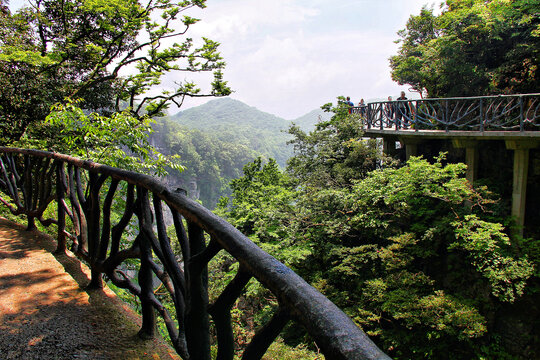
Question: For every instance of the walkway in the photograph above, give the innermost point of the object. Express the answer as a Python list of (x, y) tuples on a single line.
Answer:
[(45, 314)]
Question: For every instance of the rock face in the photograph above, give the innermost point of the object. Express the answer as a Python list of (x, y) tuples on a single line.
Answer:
[(190, 186), (193, 191)]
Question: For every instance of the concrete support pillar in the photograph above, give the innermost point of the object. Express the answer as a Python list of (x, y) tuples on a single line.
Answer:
[(410, 150), (411, 147), (519, 187), (389, 146), (471, 157)]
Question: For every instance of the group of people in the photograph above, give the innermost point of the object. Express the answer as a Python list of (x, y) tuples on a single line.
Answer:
[(362, 105), (400, 111)]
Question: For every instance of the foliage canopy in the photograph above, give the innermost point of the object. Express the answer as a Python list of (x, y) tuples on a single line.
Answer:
[(108, 53), (411, 253), (472, 48)]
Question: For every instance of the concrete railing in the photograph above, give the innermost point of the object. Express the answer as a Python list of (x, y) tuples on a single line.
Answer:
[(86, 192), (484, 113)]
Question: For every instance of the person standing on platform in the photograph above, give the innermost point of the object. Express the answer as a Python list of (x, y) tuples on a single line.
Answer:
[(389, 109), (350, 103), (362, 105), (402, 110)]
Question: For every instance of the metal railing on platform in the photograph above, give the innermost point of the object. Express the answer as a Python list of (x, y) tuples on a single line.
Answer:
[(85, 192), (483, 113)]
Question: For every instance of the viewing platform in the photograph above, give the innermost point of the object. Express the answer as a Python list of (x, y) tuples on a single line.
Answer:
[(501, 115), (509, 121)]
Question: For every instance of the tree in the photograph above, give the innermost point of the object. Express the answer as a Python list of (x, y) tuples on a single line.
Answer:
[(472, 48), (108, 53), (413, 254), (407, 66), (334, 153), (261, 207), (120, 140)]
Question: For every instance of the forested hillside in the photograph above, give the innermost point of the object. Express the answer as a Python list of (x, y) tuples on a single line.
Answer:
[(235, 122), (215, 140), (411, 252)]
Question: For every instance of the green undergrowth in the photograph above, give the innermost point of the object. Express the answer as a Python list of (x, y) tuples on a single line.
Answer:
[(281, 351)]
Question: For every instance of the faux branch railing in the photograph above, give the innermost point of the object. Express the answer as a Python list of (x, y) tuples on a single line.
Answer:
[(485, 113), (86, 193)]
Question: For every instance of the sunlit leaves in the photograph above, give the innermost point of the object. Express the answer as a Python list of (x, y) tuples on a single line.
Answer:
[(491, 253), (473, 47), (120, 140)]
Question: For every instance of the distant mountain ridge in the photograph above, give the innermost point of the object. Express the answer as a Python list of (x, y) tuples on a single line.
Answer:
[(227, 110), (234, 121), (215, 140)]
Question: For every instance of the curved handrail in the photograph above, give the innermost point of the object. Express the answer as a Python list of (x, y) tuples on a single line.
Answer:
[(29, 177), (519, 112)]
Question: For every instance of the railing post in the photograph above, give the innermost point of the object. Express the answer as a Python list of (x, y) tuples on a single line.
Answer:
[(197, 320), (482, 115), (27, 195), (60, 191), (395, 107), (93, 216), (148, 327), (31, 223), (446, 115), (415, 115), (521, 122), (381, 111), (368, 116)]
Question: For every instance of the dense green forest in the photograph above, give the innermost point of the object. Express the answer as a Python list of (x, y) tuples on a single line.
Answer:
[(414, 254), (215, 140)]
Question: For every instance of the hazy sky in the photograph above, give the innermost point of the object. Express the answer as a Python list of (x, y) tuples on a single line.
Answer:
[(288, 57)]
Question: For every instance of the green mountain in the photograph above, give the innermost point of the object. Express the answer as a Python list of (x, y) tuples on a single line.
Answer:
[(233, 121), (225, 111), (217, 139), (308, 121)]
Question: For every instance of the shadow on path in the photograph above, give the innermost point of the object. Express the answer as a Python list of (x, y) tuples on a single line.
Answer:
[(46, 314)]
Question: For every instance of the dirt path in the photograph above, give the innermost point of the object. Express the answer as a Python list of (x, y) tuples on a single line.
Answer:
[(45, 314)]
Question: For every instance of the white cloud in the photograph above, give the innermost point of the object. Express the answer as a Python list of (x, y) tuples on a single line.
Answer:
[(288, 57), (236, 20)]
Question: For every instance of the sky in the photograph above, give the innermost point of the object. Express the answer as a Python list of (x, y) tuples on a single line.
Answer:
[(289, 57)]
